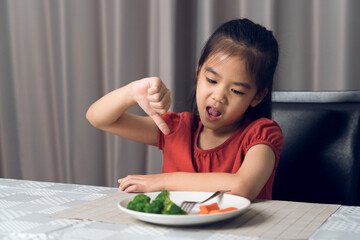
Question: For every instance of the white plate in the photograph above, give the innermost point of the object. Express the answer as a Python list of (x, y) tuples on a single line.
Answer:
[(224, 201)]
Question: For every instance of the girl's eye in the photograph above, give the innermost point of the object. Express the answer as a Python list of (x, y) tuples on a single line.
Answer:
[(211, 81), (237, 92)]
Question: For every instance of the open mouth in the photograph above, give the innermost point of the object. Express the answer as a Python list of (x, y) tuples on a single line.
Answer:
[(212, 113)]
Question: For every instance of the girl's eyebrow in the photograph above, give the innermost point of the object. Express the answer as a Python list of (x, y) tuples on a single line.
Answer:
[(242, 84), (209, 69)]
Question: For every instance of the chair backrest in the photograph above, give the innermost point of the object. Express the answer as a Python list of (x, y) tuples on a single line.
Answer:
[(320, 160)]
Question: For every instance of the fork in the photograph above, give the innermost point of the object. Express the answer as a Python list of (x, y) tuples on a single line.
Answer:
[(187, 206)]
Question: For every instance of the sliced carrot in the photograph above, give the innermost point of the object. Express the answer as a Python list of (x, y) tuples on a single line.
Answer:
[(228, 209), (214, 211), (213, 206), (203, 209)]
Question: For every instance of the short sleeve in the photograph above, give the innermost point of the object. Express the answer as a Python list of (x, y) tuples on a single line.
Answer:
[(264, 131), (172, 120)]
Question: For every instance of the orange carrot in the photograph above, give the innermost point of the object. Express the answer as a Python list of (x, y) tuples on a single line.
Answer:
[(214, 211), (228, 209), (214, 208), (203, 209)]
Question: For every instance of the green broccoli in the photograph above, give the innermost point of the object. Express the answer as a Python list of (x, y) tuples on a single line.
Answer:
[(163, 195), (139, 203), (161, 204), (156, 206), (173, 209), (169, 206)]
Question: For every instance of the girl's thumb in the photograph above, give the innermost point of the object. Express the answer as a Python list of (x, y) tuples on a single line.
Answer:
[(160, 123)]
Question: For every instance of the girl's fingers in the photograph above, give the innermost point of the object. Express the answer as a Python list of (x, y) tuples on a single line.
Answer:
[(159, 96), (159, 108), (155, 85), (163, 105), (124, 186), (142, 183), (157, 92), (132, 188), (131, 184), (129, 180)]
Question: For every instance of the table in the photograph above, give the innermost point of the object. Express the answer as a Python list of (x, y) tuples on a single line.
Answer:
[(25, 206)]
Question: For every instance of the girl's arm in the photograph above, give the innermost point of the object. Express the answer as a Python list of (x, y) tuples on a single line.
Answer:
[(108, 113), (247, 182)]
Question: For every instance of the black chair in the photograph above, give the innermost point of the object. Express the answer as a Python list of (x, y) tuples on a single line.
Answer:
[(320, 160)]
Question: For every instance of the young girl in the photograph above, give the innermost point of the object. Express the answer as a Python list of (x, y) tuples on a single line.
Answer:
[(228, 143)]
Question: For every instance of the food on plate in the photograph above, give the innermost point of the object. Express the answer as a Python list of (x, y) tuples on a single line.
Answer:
[(205, 209), (214, 208), (162, 204), (156, 206), (139, 203)]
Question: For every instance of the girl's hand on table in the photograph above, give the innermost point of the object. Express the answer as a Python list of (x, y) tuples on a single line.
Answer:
[(142, 183)]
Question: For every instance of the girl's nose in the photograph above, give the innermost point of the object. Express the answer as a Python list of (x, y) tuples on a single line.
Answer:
[(219, 96)]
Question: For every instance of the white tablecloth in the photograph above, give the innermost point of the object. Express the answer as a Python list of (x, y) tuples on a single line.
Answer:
[(25, 205)]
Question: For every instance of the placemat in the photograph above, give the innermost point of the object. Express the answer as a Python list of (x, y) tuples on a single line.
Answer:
[(265, 219)]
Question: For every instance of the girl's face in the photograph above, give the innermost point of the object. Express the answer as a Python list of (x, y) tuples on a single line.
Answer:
[(224, 92)]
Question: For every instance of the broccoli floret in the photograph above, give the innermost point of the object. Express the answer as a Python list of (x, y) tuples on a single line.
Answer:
[(139, 203), (163, 195), (173, 209), (161, 204), (156, 206)]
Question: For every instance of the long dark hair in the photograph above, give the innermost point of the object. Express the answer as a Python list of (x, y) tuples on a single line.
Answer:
[(256, 46)]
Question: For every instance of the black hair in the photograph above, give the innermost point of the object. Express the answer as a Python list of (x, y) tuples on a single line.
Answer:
[(256, 46)]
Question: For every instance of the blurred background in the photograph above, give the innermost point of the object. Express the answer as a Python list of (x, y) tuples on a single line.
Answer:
[(59, 56)]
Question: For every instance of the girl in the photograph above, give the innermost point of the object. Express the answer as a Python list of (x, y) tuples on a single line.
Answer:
[(228, 142)]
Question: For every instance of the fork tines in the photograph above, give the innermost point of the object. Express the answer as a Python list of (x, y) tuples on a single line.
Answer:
[(187, 206)]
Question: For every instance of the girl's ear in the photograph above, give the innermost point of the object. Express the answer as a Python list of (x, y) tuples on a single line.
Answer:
[(259, 97)]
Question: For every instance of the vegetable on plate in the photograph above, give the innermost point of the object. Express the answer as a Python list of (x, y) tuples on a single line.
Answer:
[(160, 205), (214, 208)]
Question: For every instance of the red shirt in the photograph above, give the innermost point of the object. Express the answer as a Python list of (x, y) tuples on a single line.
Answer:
[(181, 154)]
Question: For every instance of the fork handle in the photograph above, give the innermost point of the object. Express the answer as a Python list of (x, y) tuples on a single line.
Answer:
[(215, 194)]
